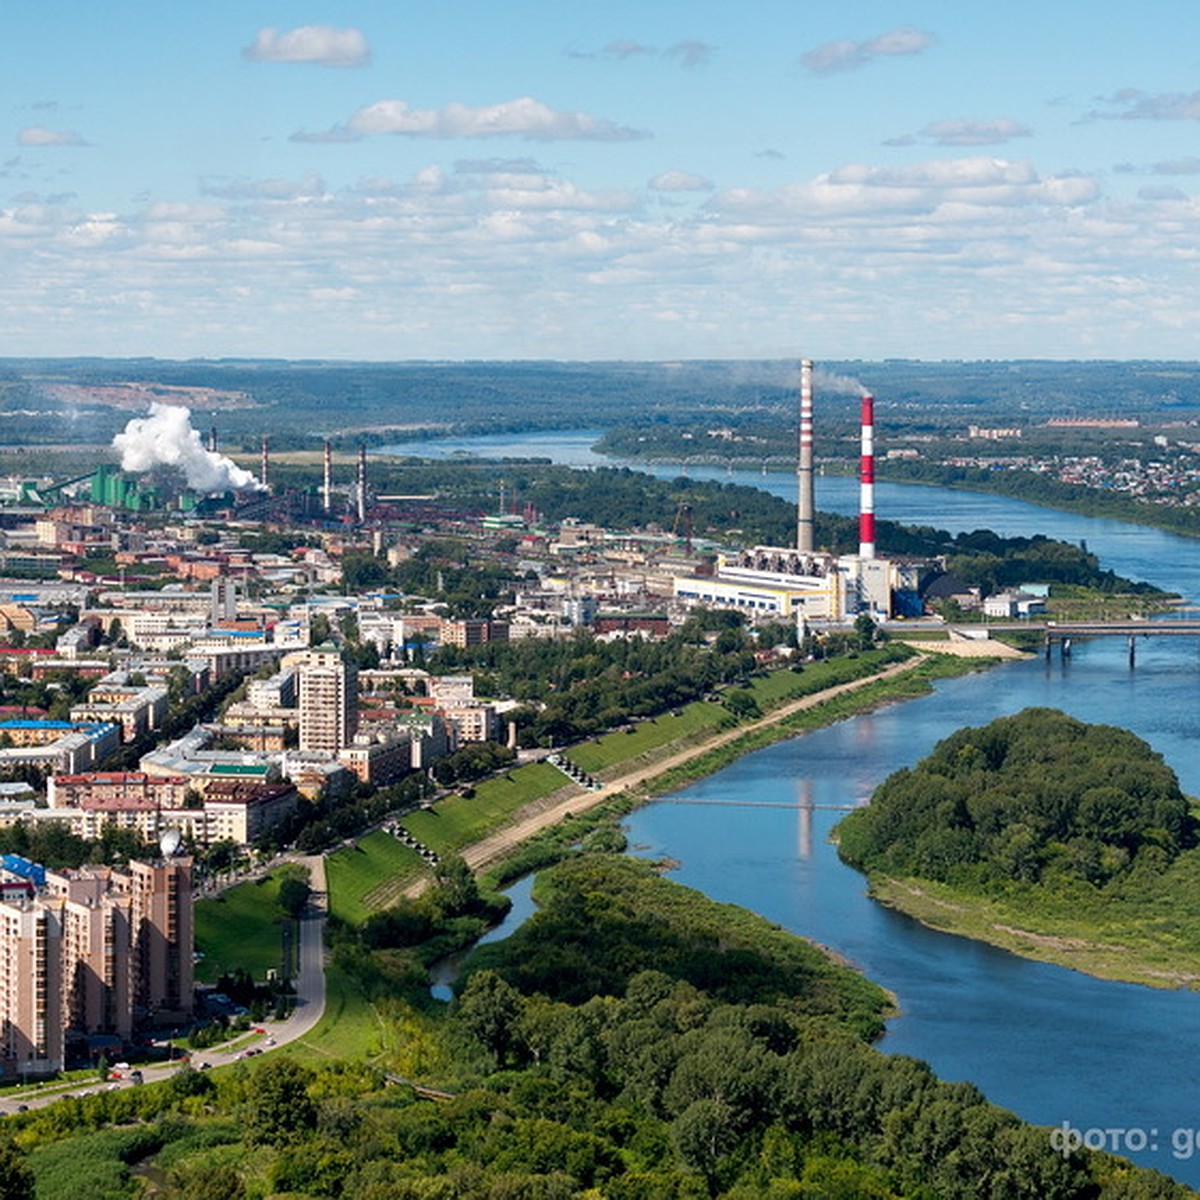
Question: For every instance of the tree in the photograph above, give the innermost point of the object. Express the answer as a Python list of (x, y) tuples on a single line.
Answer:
[(456, 891), (702, 1133), (293, 896), (16, 1175), (490, 1008), (207, 1181), (865, 630), (280, 1109)]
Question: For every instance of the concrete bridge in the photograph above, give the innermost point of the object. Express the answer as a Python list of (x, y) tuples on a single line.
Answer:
[(1132, 628)]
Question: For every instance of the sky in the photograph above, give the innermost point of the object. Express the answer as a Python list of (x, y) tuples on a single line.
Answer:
[(661, 180)]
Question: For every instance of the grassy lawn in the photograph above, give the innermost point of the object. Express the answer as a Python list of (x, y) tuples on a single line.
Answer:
[(456, 822), (351, 1027), (700, 717), (369, 876), (241, 928), (778, 687)]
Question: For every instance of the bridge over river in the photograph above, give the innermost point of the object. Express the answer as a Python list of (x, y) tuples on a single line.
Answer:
[(1132, 628)]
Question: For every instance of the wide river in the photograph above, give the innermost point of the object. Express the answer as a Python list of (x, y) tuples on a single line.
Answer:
[(1051, 1044)]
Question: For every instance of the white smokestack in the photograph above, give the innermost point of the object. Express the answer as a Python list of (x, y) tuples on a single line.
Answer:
[(805, 503), (166, 438)]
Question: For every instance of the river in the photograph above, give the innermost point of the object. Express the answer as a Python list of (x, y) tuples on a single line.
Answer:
[(1051, 1044)]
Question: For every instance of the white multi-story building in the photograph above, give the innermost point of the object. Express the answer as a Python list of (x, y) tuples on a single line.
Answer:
[(328, 702), (92, 952)]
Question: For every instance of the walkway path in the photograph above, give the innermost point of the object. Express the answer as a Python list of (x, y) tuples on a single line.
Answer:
[(526, 824)]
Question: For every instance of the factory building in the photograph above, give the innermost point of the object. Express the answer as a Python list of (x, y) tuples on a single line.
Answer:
[(786, 583)]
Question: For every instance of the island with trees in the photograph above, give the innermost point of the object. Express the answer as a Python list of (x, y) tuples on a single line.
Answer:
[(1062, 841)]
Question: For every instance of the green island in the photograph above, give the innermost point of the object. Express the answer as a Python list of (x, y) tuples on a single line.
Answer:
[(1058, 840)]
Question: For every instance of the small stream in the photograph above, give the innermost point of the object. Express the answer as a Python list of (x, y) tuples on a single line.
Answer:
[(444, 973)]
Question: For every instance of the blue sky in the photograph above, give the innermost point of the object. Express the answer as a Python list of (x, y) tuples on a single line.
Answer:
[(659, 180)]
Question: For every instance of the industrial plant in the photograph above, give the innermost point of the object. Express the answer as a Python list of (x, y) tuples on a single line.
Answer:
[(803, 583)]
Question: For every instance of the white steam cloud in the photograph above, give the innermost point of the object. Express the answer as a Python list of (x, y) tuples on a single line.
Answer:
[(166, 438), (841, 385)]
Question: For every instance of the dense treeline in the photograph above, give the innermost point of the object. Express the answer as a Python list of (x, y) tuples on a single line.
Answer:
[(1036, 797), (995, 563), (633, 1041), (375, 401), (581, 686)]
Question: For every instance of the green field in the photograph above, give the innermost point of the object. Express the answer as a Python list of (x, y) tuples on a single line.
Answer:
[(243, 927), (457, 822), (369, 876), (699, 718), (350, 1028)]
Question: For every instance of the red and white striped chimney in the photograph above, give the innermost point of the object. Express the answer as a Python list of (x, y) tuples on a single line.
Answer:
[(866, 504)]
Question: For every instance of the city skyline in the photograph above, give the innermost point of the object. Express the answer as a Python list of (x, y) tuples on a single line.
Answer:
[(683, 181)]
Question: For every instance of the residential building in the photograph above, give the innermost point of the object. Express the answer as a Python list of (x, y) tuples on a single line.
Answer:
[(328, 702)]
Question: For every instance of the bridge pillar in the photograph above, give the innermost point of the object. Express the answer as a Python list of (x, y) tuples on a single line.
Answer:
[(1066, 647), (1049, 643), (1132, 650)]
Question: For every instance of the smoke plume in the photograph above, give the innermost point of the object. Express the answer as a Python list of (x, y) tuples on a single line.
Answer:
[(841, 385), (166, 438)]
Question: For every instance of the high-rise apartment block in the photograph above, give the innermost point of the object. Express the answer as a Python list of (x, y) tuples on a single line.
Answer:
[(328, 701), (95, 951)]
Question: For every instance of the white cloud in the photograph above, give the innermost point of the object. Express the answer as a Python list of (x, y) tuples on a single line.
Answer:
[(310, 185), (974, 133), (523, 117), (1161, 192), (847, 54), (39, 135), (501, 257), (955, 189), (1166, 106), (690, 53), (321, 45), (1178, 166), (679, 181), (496, 166), (626, 48)]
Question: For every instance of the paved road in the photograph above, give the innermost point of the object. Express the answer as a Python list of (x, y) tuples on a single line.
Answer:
[(310, 983), (310, 1007)]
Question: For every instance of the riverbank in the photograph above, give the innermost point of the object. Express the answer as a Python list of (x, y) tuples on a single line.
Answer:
[(630, 787), (1140, 951)]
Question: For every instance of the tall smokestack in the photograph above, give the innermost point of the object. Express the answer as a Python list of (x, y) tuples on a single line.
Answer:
[(866, 505), (264, 469), (362, 484), (327, 490), (212, 439), (805, 506)]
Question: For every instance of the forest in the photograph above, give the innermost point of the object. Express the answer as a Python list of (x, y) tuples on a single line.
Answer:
[(1037, 798), (632, 1041), (300, 402)]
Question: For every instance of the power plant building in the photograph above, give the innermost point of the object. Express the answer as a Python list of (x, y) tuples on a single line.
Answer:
[(785, 583), (780, 583)]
